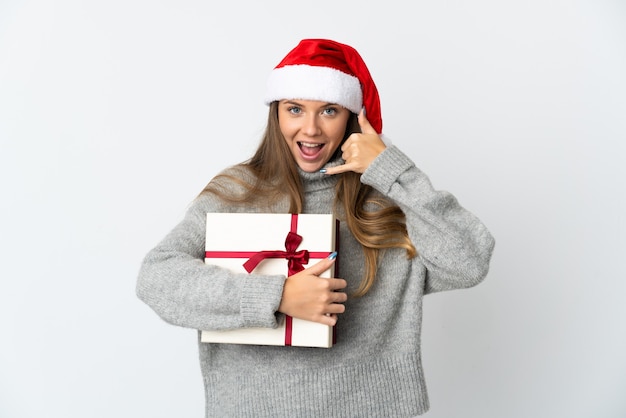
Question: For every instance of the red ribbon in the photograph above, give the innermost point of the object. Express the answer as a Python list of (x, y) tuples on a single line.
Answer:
[(295, 261)]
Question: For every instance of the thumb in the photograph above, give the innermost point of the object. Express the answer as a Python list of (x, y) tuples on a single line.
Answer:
[(365, 125), (322, 265)]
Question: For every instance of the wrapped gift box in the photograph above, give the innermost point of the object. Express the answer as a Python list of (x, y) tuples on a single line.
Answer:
[(268, 243)]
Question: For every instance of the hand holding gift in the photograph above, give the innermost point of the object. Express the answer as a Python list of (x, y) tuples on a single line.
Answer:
[(308, 296)]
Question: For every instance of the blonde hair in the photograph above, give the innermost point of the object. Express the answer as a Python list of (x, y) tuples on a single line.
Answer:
[(275, 176)]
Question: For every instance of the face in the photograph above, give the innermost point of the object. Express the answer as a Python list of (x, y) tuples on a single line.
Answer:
[(313, 130)]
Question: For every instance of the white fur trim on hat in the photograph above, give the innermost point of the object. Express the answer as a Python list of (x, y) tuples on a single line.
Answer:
[(307, 82)]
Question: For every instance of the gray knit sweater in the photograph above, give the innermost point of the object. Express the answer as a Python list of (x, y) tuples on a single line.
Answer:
[(374, 369)]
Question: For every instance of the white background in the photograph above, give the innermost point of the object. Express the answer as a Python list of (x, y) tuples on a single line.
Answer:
[(114, 115)]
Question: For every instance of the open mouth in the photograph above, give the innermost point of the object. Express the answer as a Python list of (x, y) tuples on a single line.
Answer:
[(310, 149)]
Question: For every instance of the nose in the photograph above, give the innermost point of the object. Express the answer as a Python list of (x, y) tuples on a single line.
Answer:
[(311, 125)]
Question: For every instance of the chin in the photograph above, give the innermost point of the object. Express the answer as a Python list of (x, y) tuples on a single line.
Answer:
[(310, 168)]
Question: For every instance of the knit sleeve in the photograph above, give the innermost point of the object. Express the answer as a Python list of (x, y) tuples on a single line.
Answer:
[(177, 284), (452, 243)]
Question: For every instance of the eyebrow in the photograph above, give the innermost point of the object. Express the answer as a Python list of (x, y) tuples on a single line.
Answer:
[(293, 102)]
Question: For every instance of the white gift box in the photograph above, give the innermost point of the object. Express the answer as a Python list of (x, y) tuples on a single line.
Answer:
[(237, 239)]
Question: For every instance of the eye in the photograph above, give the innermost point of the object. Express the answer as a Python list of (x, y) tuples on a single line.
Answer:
[(296, 110), (330, 111)]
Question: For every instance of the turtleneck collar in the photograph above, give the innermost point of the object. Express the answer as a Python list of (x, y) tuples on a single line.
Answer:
[(318, 181)]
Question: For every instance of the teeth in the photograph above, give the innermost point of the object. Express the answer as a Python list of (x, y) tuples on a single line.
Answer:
[(308, 145)]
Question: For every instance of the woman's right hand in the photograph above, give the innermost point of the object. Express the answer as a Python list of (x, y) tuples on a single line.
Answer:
[(308, 296)]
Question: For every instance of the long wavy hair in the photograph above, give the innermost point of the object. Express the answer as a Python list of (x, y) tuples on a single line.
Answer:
[(275, 176)]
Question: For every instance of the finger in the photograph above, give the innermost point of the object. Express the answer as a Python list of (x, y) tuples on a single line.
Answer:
[(336, 284), (330, 320), (335, 308), (341, 297), (322, 265), (347, 143), (340, 169), (365, 125), (338, 298)]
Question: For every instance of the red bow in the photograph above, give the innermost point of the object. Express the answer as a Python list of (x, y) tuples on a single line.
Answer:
[(295, 259)]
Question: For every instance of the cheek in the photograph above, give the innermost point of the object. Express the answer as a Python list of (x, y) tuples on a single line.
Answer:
[(333, 148), (337, 134), (286, 129), (333, 151)]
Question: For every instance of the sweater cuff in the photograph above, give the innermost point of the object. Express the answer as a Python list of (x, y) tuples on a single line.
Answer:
[(260, 300), (384, 171)]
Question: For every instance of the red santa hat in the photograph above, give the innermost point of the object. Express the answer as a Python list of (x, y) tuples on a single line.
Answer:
[(325, 70)]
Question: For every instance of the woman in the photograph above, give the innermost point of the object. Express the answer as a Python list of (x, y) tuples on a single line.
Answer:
[(400, 239)]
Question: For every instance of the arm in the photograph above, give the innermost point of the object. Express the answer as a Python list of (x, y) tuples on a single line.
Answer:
[(454, 246), (452, 243), (177, 284)]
